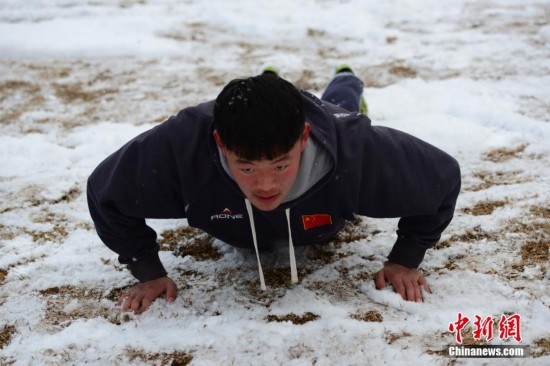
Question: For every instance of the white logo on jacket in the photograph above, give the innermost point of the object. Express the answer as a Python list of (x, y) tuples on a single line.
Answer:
[(226, 214)]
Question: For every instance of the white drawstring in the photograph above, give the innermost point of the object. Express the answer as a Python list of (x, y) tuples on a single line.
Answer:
[(253, 227), (293, 269)]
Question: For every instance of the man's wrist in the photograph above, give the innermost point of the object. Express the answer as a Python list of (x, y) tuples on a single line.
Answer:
[(407, 253), (147, 268)]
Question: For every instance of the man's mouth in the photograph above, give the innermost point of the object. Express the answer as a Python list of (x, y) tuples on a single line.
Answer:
[(267, 198)]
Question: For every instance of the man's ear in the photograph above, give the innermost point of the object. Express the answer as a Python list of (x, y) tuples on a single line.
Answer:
[(305, 136), (219, 142)]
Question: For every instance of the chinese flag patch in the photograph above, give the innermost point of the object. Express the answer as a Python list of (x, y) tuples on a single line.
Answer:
[(313, 221)]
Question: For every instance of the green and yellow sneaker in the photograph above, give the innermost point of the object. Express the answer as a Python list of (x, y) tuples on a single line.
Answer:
[(269, 69)]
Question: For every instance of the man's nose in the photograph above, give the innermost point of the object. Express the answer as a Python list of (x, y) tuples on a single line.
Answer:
[(265, 182)]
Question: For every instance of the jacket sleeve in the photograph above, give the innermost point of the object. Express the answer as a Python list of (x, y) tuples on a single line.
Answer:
[(403, 176), (140, 180)]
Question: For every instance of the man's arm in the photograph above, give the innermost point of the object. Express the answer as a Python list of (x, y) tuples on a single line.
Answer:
[(408, 178)]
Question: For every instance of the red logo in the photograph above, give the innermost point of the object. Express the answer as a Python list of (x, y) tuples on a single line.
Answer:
[(508, 326), (313, 221)]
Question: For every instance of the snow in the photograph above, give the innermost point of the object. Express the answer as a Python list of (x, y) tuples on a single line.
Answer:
[(79, 78)]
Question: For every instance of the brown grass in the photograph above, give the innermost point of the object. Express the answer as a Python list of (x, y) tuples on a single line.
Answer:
[(499, 178), (392, 337), (173, 359), (5, 335), (89, 305), (293, 318), (470, 236), (186, 241), (503, 154), (539, 211), (369, 316), (542, 347), (70, 93), (534, 252), (57, 234), (484, 208), (3, 275), (403, 71)]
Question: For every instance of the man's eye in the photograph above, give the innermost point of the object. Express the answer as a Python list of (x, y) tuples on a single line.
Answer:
[(280, 168), (247, 170)]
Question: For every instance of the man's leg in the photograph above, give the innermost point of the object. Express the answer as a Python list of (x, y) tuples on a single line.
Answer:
[(345, 90)]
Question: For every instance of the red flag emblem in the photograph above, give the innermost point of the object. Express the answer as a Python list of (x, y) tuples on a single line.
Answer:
[(313, 221)]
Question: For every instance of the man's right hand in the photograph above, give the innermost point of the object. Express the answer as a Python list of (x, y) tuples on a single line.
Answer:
[(139, 297)]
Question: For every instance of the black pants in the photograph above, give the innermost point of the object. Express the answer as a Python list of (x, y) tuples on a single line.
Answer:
[(345, 91)]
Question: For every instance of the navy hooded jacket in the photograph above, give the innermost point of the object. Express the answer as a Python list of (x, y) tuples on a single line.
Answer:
[(174, 171)]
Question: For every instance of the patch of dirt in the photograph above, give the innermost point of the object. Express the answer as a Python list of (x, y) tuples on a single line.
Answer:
[(535, 252), (499, 178), (68, 303), (57, 234), (3, 275), (403, 71), (186, 241), (5, 335), (539, 211), (369, 316), (20, 96), (502, 155), (484, 208), (176, 358), (353, 230), (70, 93), (392, 337), (7, 233), (293, 318), (541, 347), (69, 196), (470, 236)]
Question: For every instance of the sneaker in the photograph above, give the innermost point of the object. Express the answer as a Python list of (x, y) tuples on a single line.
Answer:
[(269, 69), (343, 69)]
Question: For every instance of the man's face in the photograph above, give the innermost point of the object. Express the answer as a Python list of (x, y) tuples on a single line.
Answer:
[(264, 182)]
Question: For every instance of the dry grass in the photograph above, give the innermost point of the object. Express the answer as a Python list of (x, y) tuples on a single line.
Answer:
[(160, 359), (536, 252), (5, 335), (484, 208), (186, 241), (392, 337), (57, 234), (293, 318), (502, 155), (7, 233), (89, 305), (541, 347), (470, 236), (498, 178), (353, 230), (369, 316), (403, 71), (3, 275)]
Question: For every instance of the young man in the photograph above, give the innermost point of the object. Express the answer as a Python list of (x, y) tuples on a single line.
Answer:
[(268, 165)]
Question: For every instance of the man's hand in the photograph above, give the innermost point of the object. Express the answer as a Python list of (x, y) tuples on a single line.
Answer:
[(405, 281), (139, 297)]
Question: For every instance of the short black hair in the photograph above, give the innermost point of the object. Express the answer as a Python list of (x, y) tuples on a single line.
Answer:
[(260, 117)]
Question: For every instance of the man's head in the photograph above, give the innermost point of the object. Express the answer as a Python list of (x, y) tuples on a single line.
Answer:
[(260, 128)]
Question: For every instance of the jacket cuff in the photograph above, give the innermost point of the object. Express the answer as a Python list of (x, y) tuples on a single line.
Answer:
[(147, 268), (407, 253)]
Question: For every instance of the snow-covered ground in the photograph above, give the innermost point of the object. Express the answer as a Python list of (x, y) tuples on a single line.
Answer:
[(79, 78)]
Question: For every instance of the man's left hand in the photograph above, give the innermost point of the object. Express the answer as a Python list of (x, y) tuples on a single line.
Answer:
[(407, 282)]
